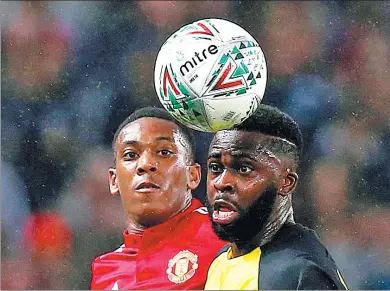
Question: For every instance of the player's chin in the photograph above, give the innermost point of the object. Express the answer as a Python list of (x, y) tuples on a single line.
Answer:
[(153, 214), (225, 232)]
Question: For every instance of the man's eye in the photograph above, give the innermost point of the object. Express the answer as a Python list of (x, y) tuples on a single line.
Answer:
[(244, 170), (130, 155), (164, 152), (215, 168)]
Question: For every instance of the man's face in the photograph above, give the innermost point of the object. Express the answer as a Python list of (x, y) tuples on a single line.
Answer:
[(152, 171), (242, 184)]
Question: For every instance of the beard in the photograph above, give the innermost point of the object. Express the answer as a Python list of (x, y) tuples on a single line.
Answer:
[(250, 220)]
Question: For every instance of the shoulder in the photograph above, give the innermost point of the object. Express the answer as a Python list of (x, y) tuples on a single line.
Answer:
[(296, 240), (202, 210), (304, 273), (197, 214), (104, 268), (224, 249), (298, 256), (197, 225), (201, 217), (218, 259), (298, 273), (109, 255), (301, 266), (199, 221), (297, 244), (197, 209)]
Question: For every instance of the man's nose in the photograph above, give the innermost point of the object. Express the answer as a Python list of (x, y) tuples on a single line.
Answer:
[(225, 182), (146, 163)]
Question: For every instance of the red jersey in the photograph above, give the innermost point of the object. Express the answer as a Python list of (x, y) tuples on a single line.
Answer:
[(173, 255)]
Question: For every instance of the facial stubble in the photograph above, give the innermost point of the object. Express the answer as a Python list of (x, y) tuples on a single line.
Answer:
[(250, 221)]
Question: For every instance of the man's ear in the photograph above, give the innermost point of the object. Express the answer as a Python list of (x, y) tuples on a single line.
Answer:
[(113, 180), (288, 183), (193, 176)]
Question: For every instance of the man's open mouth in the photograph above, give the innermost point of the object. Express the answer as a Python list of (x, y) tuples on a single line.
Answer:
[(224, 212), (146, 186)]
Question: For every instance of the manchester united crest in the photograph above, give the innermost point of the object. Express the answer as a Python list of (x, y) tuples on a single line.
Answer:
[(182, 267)]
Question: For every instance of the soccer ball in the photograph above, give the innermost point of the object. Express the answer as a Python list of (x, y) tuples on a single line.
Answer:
[(210, 75)]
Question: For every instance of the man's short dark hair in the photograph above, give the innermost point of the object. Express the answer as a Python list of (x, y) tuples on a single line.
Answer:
[(160, 114), (272, 121)]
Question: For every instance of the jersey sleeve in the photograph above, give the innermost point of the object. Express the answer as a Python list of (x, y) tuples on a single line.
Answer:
[(101, 278), (313, 277), (93, 275), (307, 275)]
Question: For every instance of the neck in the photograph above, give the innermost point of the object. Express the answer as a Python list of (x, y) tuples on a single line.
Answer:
[(135, 228), (282, 213)]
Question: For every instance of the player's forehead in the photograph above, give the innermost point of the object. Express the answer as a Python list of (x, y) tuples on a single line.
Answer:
[(149, 130), (238, 139)]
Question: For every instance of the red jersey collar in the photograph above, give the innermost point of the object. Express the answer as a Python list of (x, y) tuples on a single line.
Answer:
[(133, 240)]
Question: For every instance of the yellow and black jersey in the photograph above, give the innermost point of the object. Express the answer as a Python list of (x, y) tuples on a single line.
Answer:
[(294, 259)]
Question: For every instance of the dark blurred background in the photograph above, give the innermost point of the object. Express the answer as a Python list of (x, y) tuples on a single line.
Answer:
[(72, 71)]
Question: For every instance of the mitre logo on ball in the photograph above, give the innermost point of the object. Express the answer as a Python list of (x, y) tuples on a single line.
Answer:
[(198, 58), (210, 74)]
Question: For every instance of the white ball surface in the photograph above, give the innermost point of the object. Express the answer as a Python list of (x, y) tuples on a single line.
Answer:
[(210, 74)]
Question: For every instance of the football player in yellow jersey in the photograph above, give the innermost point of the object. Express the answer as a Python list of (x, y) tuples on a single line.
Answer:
[(252, 172)]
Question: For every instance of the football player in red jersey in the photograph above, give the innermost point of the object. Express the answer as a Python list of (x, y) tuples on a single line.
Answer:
[(169, 242)]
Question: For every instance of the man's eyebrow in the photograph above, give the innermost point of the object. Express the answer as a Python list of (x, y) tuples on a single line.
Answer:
[(134, 142), (235, 154), (167, 138), (241, 154), (214, 155), (129, 142)]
